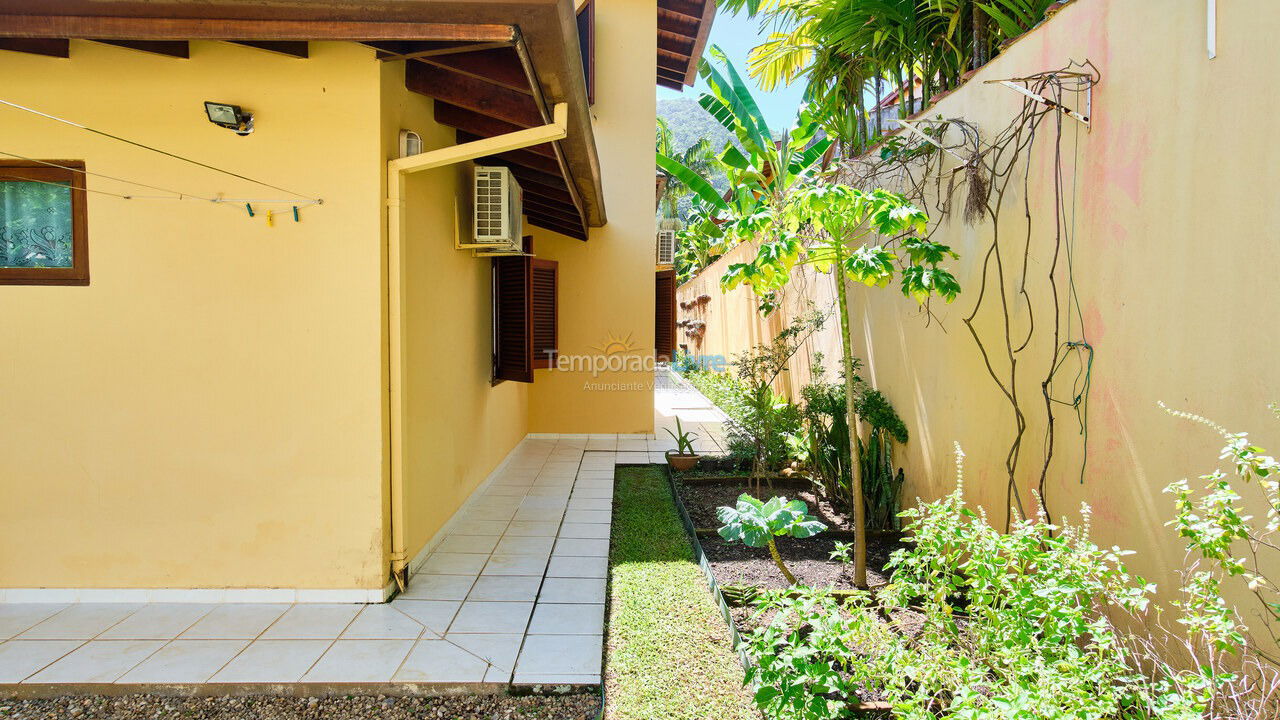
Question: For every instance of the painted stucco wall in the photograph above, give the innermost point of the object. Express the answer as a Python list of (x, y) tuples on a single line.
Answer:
[(1173, 261), (607, 283), (457, 426), (207, 412)]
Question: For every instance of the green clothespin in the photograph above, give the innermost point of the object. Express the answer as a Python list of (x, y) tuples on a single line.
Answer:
[(295, 214), (249, 207)]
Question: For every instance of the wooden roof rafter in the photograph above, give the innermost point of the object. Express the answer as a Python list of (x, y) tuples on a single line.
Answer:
[(683, 27), (479, 73)]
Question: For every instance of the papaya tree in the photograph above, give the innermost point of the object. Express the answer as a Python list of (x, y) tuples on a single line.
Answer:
[(865, 237)]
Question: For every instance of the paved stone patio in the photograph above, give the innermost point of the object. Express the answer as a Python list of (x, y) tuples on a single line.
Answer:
[(514, 592)]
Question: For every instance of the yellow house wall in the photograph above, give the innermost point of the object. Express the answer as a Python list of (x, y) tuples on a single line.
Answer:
[(208, 411), (607, 284), (1173, 264), (457, 426)]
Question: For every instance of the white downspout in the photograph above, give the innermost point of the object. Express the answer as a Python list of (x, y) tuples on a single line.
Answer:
[(397, 170)]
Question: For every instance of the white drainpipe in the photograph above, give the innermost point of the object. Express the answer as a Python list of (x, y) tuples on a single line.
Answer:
[(397, 170)]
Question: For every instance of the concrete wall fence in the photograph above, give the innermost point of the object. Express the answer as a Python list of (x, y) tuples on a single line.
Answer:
[(1173, 259)]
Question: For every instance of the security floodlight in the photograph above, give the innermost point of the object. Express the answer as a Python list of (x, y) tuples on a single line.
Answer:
[(230, 117)]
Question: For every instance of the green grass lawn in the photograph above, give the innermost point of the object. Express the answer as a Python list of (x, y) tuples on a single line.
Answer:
[(669, 653)]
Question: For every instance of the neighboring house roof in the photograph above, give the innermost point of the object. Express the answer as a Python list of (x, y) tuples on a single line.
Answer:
[(476, 58), (683, 27)]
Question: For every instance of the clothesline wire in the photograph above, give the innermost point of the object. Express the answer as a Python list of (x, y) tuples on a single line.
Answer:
[(180, 195), (156, 150)]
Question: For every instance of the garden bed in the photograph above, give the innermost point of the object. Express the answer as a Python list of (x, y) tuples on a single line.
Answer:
[(736, 565), (740, 571)]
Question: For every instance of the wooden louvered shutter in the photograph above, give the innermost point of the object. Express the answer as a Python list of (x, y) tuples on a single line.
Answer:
[(587, 44), (545, 276), (664, 331), (512, 320)]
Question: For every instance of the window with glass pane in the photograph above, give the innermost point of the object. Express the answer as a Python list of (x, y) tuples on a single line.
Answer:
[(42, 224)]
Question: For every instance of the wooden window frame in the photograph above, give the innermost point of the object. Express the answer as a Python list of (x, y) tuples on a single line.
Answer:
[(71, 172)]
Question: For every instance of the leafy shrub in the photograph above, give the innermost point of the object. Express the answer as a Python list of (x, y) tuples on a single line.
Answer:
[(824, 415), (759, 419), (1016, 625), (756, 523)]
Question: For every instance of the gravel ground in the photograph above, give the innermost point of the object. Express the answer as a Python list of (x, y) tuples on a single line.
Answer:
[(155, 707)]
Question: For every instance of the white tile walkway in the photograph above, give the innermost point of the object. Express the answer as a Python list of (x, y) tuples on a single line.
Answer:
[(513, 593)]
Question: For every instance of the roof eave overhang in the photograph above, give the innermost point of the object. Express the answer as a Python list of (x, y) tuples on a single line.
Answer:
[(546, 30)]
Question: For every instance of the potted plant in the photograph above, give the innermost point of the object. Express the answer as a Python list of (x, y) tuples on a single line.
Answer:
[(683, 457)]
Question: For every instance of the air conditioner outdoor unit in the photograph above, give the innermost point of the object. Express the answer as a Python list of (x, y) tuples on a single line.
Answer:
[(666, 247), (498, 211)]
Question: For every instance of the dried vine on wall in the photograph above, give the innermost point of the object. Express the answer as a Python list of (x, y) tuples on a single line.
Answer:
[(957, 157)]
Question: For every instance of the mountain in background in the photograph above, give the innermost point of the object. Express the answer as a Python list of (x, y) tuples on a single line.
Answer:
[(689, 123)]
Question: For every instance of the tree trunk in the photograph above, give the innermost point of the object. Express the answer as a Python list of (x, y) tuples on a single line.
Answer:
[(879, 99), (851, 418), (777, 560), (979, 36)]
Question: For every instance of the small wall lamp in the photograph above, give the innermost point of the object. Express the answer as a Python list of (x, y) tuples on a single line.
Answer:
[(230, 117)]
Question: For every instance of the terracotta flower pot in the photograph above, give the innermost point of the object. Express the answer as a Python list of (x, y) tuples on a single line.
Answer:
[(681, 462)]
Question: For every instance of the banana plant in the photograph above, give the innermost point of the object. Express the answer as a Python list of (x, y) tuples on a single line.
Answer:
[(762, 170)]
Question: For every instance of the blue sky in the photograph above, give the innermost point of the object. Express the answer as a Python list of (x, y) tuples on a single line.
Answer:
[(736, 35)]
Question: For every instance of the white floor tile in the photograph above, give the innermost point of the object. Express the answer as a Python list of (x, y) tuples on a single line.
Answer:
[(98, 661), (559, 655), (474, 544), (505, 490), (21, 658), (479, 527), (359, 661), (497, 675), (633, 458), (572, 590), (586, 503), (312, 621), (546, 491), (630, 445), (567, 619), (588, 516), (185, 661), (18, 617), (454, 564), (382, 622), (598, 531), (235, 621), (526, 528), (81, 621), (272, 661), (592, 493), (514, 545), (438, 587), (440, 661), (575, 567), (516, 565), (538, 515), (510, 588), (538, 502), (581, 548), (435, 615), (157, 621), (492, 617), (498, 650)]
